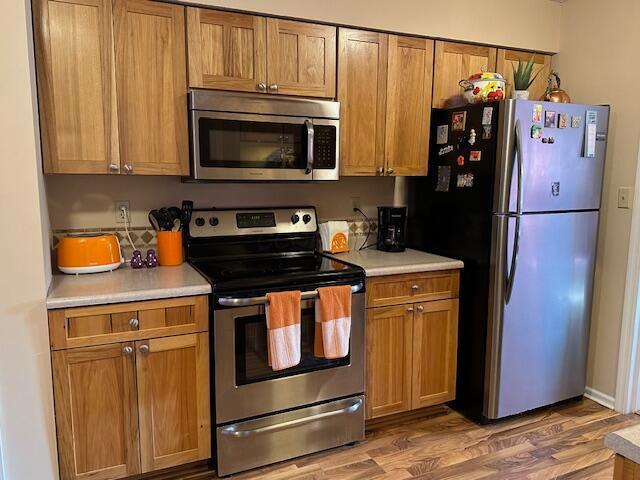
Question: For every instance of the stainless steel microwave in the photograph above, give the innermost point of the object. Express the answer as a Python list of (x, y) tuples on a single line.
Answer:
[(247, 137)]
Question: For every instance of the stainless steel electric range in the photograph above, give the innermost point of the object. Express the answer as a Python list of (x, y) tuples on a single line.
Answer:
[(262, 416)]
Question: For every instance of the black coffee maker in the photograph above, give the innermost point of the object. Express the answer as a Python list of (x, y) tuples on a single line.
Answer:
[(392, 225)]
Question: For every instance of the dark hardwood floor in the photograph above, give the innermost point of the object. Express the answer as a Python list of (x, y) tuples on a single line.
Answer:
[(564, 442)]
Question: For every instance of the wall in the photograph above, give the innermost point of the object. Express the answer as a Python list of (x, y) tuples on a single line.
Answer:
[(26, 404), (529, 24), (597, 65)]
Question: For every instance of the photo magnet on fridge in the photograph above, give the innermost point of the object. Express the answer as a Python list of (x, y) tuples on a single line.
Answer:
[(460, 160), (444, 178), (550, 119), (536, 132), (464, 180), (442, 135), (563, 120), (458, 121), (487, 114), (537, 113), (486, 132), (576, 121), (475, 156)]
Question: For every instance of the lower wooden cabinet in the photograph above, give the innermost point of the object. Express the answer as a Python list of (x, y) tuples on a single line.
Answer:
[(127, 408), (411, 354)]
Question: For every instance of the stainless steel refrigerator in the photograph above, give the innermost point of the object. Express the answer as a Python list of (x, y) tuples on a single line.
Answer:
[(514, 192)]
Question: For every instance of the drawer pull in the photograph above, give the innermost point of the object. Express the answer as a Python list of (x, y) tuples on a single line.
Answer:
[(144, 348), (415, 287), (134, 323), (127, 350)]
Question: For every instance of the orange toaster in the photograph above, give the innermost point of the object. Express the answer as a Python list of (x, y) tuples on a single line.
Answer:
[(89, 253)]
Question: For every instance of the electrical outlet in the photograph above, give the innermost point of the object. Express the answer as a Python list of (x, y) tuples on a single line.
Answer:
[(355, 202), (120, 215), (624, 197)]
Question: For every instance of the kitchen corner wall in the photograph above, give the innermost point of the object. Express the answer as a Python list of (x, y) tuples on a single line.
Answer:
[(598, 64)]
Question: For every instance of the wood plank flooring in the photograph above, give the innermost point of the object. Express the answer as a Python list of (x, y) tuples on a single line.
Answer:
[(564, 442)]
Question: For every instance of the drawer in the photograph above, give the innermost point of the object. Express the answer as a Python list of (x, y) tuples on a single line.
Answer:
[(124, 322), (412, 287)]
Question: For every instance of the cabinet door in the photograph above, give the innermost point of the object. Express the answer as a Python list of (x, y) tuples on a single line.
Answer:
[(388, 388), (362, 92), (74, 57), (173, 398), (435, 342), (408, 105), (152, 87), (96, 412), (508, 59), (301, 58), (455, 62), (227, 50)]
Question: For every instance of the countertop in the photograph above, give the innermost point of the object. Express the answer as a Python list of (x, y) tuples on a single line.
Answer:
[(625, 442), (125, 285), (376, 262)]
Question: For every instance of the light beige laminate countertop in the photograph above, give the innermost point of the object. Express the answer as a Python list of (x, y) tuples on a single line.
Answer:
[(125, 285), (376, 262), (625, 442)]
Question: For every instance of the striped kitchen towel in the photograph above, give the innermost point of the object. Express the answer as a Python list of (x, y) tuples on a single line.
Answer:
[(333, 322), (283, 326)]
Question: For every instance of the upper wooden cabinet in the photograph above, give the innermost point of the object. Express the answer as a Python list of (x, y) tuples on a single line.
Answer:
[(362, 92), (232, 51), (507, 59), (112, 86), (408, 105), (76, 90), (454, 62), (227, 50)]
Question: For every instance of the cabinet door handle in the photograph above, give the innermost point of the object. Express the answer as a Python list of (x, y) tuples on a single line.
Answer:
[(127, 350), (128, 168), (409, 309), (273, 87), (420, 308), (380, 170), (415, 287), (143, 348), (389, 171), (114, 167), (134, 323), (261, 86)]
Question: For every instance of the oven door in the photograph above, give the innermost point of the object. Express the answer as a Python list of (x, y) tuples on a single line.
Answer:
[(241, 146), (245, 384)]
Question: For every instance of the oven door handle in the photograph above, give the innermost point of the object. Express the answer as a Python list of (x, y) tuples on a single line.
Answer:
[(355, 406), (310, 134), (245, 302)]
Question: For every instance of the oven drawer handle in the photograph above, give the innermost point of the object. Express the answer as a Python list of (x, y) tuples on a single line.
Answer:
[(245, 302), (292, 423)]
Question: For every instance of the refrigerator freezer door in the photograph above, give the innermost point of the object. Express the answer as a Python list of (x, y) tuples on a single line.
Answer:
[(556, 173), (537, 340)]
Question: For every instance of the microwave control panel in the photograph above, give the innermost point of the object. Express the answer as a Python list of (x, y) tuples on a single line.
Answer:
[(324, 147)]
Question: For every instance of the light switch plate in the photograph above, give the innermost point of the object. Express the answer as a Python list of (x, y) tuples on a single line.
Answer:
[(624, 197)]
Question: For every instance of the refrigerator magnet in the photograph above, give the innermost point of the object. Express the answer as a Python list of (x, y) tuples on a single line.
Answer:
[(487, 114), (537, 113), (576, 121), (444, 178), (458, 121), (563, 120), (536, 132), (460, 160), (550, 119), (486, 132), (464, 180), (442, 135), (475, 156), (445, 150)]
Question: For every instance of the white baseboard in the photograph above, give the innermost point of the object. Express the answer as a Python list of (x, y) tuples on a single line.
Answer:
[(599, 397)]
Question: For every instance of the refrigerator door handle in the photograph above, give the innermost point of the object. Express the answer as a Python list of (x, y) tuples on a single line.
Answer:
[(511, 272), (518, 158)]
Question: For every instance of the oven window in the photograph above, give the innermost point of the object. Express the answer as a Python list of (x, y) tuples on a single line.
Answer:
[(252, 364), (245, 144)]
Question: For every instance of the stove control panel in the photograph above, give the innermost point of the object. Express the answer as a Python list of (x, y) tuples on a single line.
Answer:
[(255, 221)]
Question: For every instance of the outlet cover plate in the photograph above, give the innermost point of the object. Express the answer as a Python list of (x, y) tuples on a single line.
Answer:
[(119, 216)]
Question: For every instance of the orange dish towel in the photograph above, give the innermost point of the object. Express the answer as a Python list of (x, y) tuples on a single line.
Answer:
[(283, 327), (333, 322)]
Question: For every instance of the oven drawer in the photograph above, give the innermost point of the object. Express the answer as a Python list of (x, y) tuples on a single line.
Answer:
[(125, 322), (412, 287), (254, 443)]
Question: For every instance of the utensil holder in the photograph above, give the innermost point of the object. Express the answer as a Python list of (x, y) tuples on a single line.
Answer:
[(170, 248)]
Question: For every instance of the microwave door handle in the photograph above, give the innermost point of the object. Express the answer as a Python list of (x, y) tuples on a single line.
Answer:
[(309, 124)]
